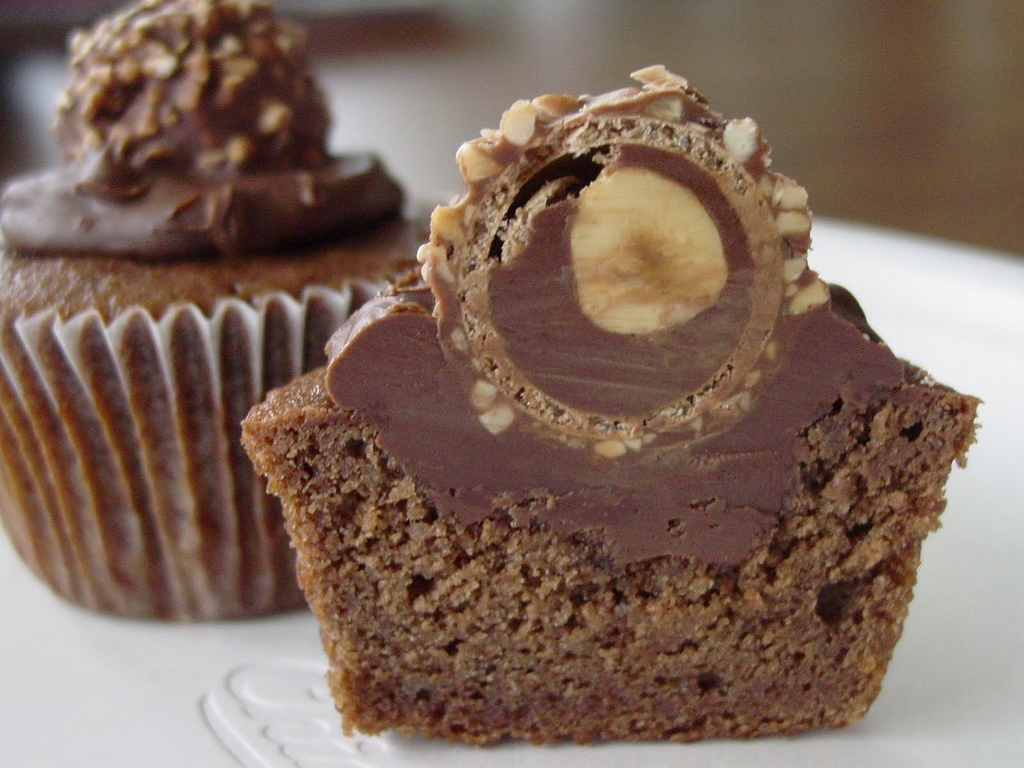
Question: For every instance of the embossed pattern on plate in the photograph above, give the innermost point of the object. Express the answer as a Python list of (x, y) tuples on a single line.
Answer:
[(279, 714)]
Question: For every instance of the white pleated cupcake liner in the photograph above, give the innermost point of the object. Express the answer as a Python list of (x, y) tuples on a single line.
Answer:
[(123, 481)]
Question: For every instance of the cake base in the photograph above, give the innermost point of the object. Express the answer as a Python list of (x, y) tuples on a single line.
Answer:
[(501, 629)]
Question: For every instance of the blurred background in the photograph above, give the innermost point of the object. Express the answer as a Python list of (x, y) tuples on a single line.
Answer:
[(900, 114)]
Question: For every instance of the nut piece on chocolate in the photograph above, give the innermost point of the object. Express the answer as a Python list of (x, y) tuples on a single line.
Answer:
[(205, 85)]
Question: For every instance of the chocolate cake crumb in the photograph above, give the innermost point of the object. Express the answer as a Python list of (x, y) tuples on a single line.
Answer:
[(502, 629)]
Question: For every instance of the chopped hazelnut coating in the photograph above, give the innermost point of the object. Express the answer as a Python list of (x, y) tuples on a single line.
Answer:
[(674, 232), (214, 85)]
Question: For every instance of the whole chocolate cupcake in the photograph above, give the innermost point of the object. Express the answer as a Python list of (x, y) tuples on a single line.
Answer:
[(196, 248)]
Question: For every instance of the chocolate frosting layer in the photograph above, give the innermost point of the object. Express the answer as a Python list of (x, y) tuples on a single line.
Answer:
[(621, 334), (111, 286), (713, 498), (77, 210)]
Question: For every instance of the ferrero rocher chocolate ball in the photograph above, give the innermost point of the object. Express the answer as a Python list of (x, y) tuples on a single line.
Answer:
[(201, 85)]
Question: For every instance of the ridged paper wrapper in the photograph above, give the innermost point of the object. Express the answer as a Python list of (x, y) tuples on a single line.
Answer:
[(123, 484)]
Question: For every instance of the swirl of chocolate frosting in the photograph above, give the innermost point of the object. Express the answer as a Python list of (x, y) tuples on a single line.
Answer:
[(190, 128)]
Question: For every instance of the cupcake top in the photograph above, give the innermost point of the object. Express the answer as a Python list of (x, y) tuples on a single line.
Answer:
[(190, 128)]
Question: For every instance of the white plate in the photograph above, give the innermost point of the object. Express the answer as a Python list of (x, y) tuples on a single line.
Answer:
[(84, 690)]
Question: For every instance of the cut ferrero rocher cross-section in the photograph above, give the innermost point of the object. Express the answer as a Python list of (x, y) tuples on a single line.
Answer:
[(619, 298), (672, 227), (621, 465)]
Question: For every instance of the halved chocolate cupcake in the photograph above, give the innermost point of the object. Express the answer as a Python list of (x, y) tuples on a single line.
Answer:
[(627, 467)]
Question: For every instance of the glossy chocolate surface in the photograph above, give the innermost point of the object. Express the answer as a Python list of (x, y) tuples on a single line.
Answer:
[(165, 216), (713, 498)]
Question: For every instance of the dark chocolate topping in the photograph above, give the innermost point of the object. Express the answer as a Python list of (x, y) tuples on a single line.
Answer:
[(625, 339), (845, 305)]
